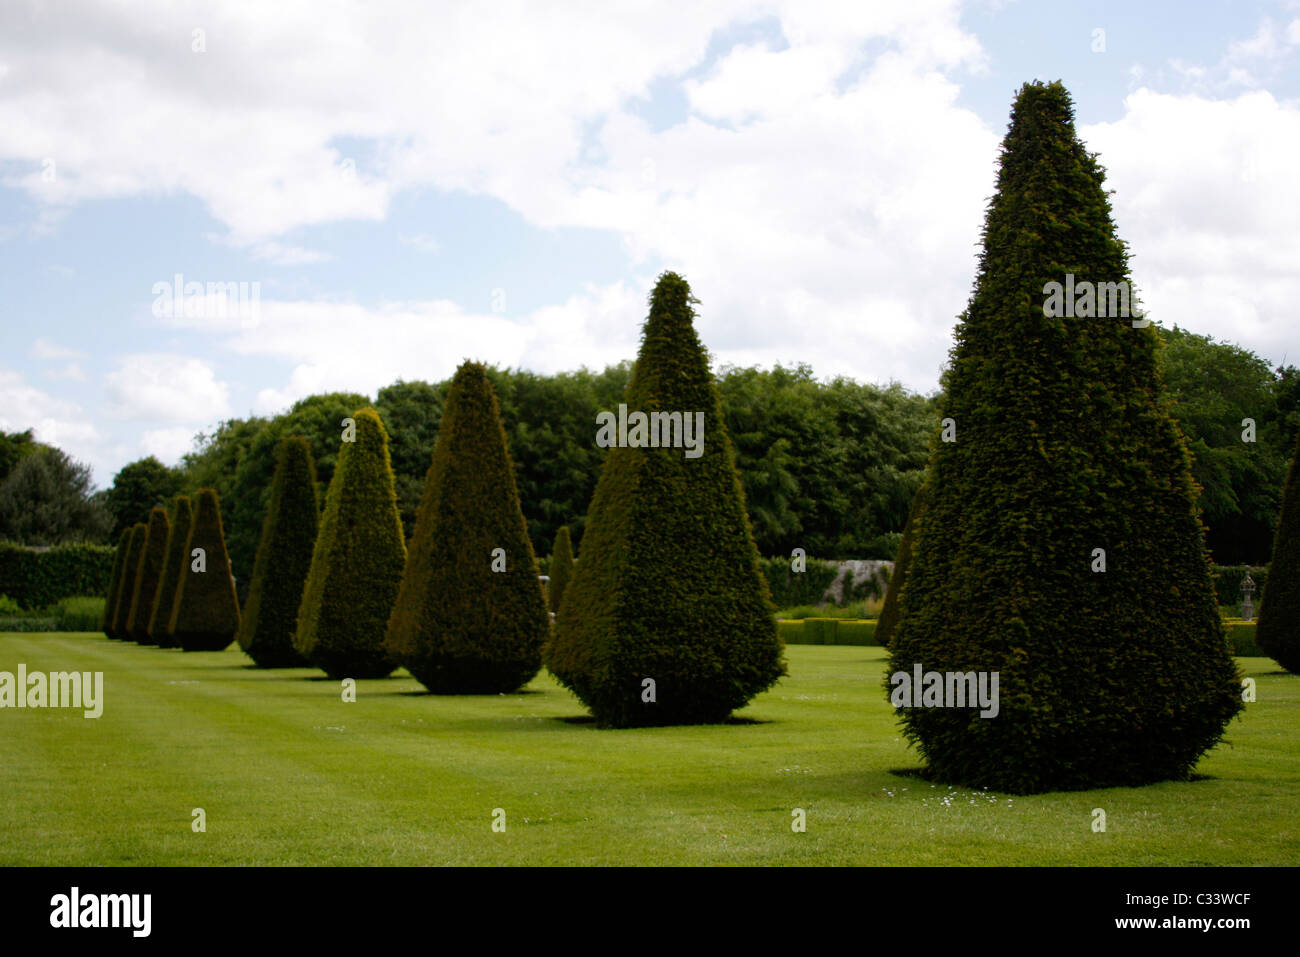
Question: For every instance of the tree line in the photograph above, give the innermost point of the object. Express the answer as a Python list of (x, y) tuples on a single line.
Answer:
[(829, 466)]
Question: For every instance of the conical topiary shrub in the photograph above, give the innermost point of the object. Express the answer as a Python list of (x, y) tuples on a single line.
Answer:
[(283, 559), (175, 564), (1060, 550), (131, 568), (470, 617), (205, 616), (561, 568), (115, 583), (889, 610), (356, 565), (1278, 629), (668, 618), (149, 576)]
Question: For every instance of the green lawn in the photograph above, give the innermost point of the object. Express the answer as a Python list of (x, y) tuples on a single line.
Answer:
[(288, 773)]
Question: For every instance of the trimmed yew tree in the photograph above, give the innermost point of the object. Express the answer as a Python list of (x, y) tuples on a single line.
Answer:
[(470, 616), (561, 568), (668, 618), (205, 616), (148, 576), (1278, 629), (889, 610), (283, 559), (115, 583), (130, 570), (357, 562), (1061, 546), (174, 565)]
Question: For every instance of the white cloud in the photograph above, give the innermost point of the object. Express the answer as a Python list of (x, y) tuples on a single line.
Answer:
[(72, 372), (425, 244), (43, 348), (167, 388), (347, 347), (1226, 267), (168, 445), (52, 420)]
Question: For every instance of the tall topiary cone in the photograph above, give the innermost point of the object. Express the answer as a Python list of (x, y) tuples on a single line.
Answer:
[(205, 616), (356, 565), (130, 571), (470, 617), (283, 559), (175, 564), (889, 610), (115, 583), (1062, 446), (561, 568), (149, 576), (1278, 630), (668, 618)]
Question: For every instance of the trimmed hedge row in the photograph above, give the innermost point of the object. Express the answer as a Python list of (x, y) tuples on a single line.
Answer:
[(790, 588), (829, 631), (848, 631), (1241, 638), (39, 579)]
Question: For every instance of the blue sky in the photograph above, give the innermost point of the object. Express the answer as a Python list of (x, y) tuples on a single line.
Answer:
[(410, 187)]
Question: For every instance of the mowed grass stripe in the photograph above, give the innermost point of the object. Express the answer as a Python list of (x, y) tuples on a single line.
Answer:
[(413, 778)]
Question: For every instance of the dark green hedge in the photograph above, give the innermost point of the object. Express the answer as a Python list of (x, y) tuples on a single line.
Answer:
[(668, 587), (889, 611), (115, 585), (174, 564), (148, 577), (470, 617), (1064, 444), (357, 562), (283, 559), (39, 579), (1279, 618), (561, 566), (122, 609), (205, 616), (790, 588)]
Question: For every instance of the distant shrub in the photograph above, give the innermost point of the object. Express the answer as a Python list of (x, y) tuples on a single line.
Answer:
[(561, 566), (8, 606), (176, 562), (791, 588), (115, 584), (130, 570), (28, 625), (148, 576), (80, 613), (39, 579), (284, 552), (206, 613)]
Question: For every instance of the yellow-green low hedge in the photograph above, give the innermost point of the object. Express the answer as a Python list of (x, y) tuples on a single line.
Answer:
[(1241, 636), (828, 631)]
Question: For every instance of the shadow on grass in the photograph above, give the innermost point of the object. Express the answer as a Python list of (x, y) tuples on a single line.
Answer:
[(733, 720), (426, 693), (924, 774)]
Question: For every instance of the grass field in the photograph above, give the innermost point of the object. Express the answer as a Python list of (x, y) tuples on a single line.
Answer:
[(286, 772)]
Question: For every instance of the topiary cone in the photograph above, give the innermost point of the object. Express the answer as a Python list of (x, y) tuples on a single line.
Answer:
[(669, 590), (205, 616), (357, 562)]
